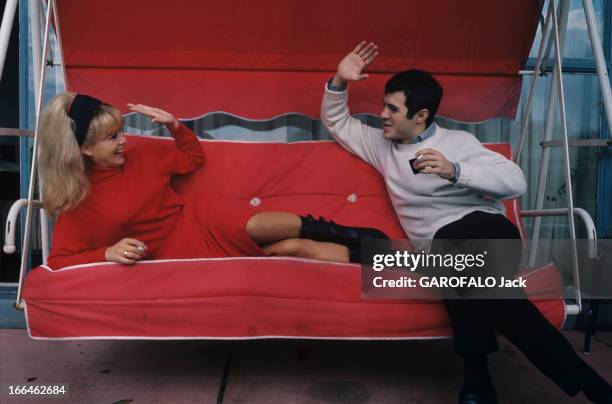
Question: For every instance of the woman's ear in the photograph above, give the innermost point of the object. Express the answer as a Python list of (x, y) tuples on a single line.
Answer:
[(86, 151)]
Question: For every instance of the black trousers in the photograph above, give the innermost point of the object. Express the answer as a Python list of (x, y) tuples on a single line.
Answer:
[(476, 321)]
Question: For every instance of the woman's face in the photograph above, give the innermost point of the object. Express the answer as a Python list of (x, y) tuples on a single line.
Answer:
[(107, 150)]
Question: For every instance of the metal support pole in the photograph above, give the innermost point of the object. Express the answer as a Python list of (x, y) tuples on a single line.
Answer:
[(5, 31), (527, 110), (60, 48), (34, 9), (600, 61), (544, 164), (39, 97), (44, 219), (39, 57), (557, 76), (568, 174)]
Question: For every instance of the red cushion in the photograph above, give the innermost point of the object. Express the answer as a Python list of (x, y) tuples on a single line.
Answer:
[(236, 297), (253, 297)]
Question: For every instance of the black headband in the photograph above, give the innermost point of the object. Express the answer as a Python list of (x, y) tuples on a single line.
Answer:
[(82, 111)]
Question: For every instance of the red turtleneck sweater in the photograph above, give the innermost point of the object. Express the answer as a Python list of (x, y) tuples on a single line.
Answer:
[(137, 201)]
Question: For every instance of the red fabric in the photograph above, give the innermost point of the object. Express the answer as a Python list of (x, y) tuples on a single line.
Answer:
[(266, 57), (251, 297), (135, 201), (233, 297), (208, 218), (513, 207), (306, 178)]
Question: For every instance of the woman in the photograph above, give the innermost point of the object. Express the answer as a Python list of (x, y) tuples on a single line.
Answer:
[(118, 205)]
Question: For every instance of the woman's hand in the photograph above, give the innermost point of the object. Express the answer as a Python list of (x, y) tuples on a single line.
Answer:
[(126, 251), (157, 115)]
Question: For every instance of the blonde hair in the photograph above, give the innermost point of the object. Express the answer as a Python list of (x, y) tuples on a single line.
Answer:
[(62, 165)]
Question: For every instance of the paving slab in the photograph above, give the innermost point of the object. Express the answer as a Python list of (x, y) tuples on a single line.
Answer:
[(272, 371), (425, 371), (114, 371)]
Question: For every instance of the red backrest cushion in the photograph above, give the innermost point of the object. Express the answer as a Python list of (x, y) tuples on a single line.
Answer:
[(318, 178)]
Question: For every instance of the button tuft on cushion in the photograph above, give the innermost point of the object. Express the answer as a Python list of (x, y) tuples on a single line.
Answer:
[(352, 198), (255, 201)]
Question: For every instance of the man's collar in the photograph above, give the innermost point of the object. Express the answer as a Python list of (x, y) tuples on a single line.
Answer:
[(429, 132)]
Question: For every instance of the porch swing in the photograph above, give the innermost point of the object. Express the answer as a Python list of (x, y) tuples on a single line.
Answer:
[(260, 61)]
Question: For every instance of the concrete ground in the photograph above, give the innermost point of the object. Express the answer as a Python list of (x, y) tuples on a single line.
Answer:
[(270, 371)]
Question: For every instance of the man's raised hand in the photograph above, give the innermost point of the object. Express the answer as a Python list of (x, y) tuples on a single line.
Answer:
[(352, 67)]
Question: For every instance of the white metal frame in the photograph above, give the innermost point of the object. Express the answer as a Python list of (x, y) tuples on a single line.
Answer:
[(557, 36), (33, 172), (556, 24), (5, 30)]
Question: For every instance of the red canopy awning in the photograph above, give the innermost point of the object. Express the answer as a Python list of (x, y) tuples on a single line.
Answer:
[(262, 58)]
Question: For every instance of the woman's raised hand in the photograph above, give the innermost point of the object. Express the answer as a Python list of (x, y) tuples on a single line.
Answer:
[(157, 115), (126, 251)]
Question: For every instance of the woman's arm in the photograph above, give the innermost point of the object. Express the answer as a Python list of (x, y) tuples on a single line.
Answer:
[(188, 154), (73, 245)]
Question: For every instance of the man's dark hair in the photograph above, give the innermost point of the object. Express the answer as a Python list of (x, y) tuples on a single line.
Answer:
[(421, 91)]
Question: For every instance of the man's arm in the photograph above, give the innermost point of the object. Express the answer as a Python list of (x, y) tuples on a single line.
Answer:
[(489, 173), (477, 168), (354, 136)]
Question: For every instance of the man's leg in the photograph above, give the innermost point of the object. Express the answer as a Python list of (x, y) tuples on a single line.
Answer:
[(523, 324), (472, 320)]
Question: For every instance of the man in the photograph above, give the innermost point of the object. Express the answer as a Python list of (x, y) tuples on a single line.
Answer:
[(443, 185)]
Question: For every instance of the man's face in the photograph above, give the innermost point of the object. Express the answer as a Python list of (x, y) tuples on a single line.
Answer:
[(396, 125)]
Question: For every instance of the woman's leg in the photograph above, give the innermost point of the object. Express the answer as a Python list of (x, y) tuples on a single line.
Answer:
[(303, 248), (269, 227)]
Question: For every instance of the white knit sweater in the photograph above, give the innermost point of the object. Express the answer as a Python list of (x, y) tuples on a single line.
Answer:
[(426, 202)]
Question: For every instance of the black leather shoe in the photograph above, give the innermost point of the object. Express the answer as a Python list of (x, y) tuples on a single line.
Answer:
[(478, 397), (331, 232)]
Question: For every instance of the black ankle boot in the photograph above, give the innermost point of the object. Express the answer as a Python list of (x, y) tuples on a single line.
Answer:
[(331, 232)]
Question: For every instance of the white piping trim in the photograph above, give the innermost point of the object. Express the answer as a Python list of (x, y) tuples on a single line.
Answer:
[(519, 218), (27, 320), (105, 337), (310, 260), (538, 269), (298, 259)]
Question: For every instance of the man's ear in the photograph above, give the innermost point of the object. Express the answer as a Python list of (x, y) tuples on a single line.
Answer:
[(421, 116)]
